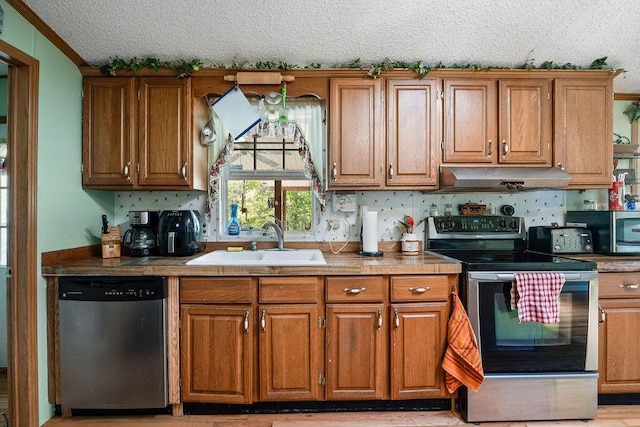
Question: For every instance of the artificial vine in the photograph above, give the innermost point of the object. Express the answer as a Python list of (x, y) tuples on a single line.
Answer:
[(185, 68), (633, 111)]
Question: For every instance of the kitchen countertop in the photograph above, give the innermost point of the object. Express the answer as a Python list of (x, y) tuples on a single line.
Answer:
[(344, 263), (612, 263)]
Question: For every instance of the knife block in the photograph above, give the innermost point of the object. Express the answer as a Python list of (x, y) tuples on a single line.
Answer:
[(111, 243)]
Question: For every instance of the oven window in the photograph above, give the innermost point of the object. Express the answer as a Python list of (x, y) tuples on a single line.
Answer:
[(510, 346)]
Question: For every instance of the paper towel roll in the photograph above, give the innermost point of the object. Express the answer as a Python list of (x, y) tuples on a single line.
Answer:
[(370, 232)]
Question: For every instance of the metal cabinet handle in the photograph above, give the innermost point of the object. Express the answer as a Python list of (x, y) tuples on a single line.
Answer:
[(246, 322), (419, 290), (184, 171), (629, 286), (490, 148), (379, 318), (125, 171), (334, 171), (396, 319), (390, 171), (505, 148), (353, 291), (560, 166), (263, 321), (603, 315)]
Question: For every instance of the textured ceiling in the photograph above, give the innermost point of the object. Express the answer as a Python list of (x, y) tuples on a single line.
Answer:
[(301, 32)]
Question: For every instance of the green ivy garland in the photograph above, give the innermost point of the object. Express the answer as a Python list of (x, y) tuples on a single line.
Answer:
[(184, 68)]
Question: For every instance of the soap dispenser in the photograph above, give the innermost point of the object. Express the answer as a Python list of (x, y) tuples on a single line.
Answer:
[(233, 229)]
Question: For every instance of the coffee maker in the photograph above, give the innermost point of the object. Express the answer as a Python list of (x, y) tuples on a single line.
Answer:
[(140, 238), (179, 233)]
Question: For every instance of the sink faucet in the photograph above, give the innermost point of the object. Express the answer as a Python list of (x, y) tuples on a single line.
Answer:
[(278, 226)]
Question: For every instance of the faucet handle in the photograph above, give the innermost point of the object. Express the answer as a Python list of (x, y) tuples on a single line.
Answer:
[(254, 245)]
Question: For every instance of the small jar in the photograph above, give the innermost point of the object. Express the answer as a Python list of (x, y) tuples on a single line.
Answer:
[(434, 210), (589, 205), (410, 244), (448, 209)]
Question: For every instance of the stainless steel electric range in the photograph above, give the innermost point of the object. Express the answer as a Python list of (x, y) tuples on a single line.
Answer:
[(533, 371)]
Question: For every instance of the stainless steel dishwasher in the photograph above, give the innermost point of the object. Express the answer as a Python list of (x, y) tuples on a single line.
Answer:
[(113, 346)]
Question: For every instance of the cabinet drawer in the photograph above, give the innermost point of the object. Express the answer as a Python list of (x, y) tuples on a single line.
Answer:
[(356, 288), (419, 288), (216, 290), (619, 285), (288, 289)]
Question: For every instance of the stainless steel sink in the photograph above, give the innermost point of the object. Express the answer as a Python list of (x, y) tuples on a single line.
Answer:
[(261, 257)]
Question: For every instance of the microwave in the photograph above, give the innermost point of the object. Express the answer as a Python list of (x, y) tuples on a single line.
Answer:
[(613, 232)]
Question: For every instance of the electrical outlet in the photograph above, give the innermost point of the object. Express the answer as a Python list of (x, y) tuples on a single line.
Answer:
[(207, 229), (334, 224)]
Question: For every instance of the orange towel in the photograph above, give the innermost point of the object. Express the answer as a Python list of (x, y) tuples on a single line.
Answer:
[(462, 363)]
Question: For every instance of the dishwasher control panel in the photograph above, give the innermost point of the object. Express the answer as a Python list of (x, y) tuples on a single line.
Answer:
[(112, 289)]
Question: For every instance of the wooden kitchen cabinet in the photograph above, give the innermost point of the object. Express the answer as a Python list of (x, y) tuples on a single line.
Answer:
[(217, 340), (290, 339), (504, 121), (356, 113), (355, 338), (137, 134), (619, 333), (418, 313), (583, 129), (412, 133)]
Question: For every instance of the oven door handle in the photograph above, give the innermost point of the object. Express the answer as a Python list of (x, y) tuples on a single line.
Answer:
[(510, 277)]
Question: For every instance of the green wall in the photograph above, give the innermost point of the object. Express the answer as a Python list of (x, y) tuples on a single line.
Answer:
[(68, 216)]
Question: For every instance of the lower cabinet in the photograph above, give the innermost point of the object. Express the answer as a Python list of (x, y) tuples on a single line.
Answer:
[(310, 338), (619, 333)]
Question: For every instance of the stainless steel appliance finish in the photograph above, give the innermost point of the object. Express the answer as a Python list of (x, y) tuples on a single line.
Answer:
[(556, 380), (463, 178), (614, 232), (113, 350), (560, 240), (532, 371)]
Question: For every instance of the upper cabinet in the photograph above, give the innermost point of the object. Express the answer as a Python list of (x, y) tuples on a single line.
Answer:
[(583, 128), (360, 156), (137, 135), (412, 133), (491, 121), (356, 133)]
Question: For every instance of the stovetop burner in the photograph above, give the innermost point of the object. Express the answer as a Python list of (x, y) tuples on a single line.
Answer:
[(518, 261)]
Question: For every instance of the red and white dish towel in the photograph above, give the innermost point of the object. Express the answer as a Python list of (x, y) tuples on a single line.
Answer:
[(535, 296)]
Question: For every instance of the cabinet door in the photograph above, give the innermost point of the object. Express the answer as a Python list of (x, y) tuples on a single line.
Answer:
[(619, 346), (355, 133), (470, 121), (164, 132), (583, 129), (290, 352), (412, 131), (108, 132), (418, 338), (525, 121), (355, 345), (217, 353)]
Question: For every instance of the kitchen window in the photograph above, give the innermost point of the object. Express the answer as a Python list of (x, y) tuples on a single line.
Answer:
[(266, 178)]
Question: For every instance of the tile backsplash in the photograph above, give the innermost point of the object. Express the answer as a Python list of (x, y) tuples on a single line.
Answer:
[(537, 207)]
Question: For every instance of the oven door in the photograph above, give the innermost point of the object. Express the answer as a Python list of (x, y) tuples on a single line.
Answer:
[(508, 346)]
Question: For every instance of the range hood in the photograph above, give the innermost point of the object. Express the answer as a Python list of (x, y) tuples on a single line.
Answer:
[(463, 178)]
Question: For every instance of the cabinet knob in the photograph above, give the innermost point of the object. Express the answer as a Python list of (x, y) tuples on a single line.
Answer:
[(560, 166)]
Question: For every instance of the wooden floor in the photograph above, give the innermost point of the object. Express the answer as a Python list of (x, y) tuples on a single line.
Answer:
[(608, 416)]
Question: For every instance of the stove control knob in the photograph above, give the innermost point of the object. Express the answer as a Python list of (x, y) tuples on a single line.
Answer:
[(513, 225), (503, 223)]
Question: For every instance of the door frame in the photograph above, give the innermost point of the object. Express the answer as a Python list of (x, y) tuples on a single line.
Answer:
[(22, 162)]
